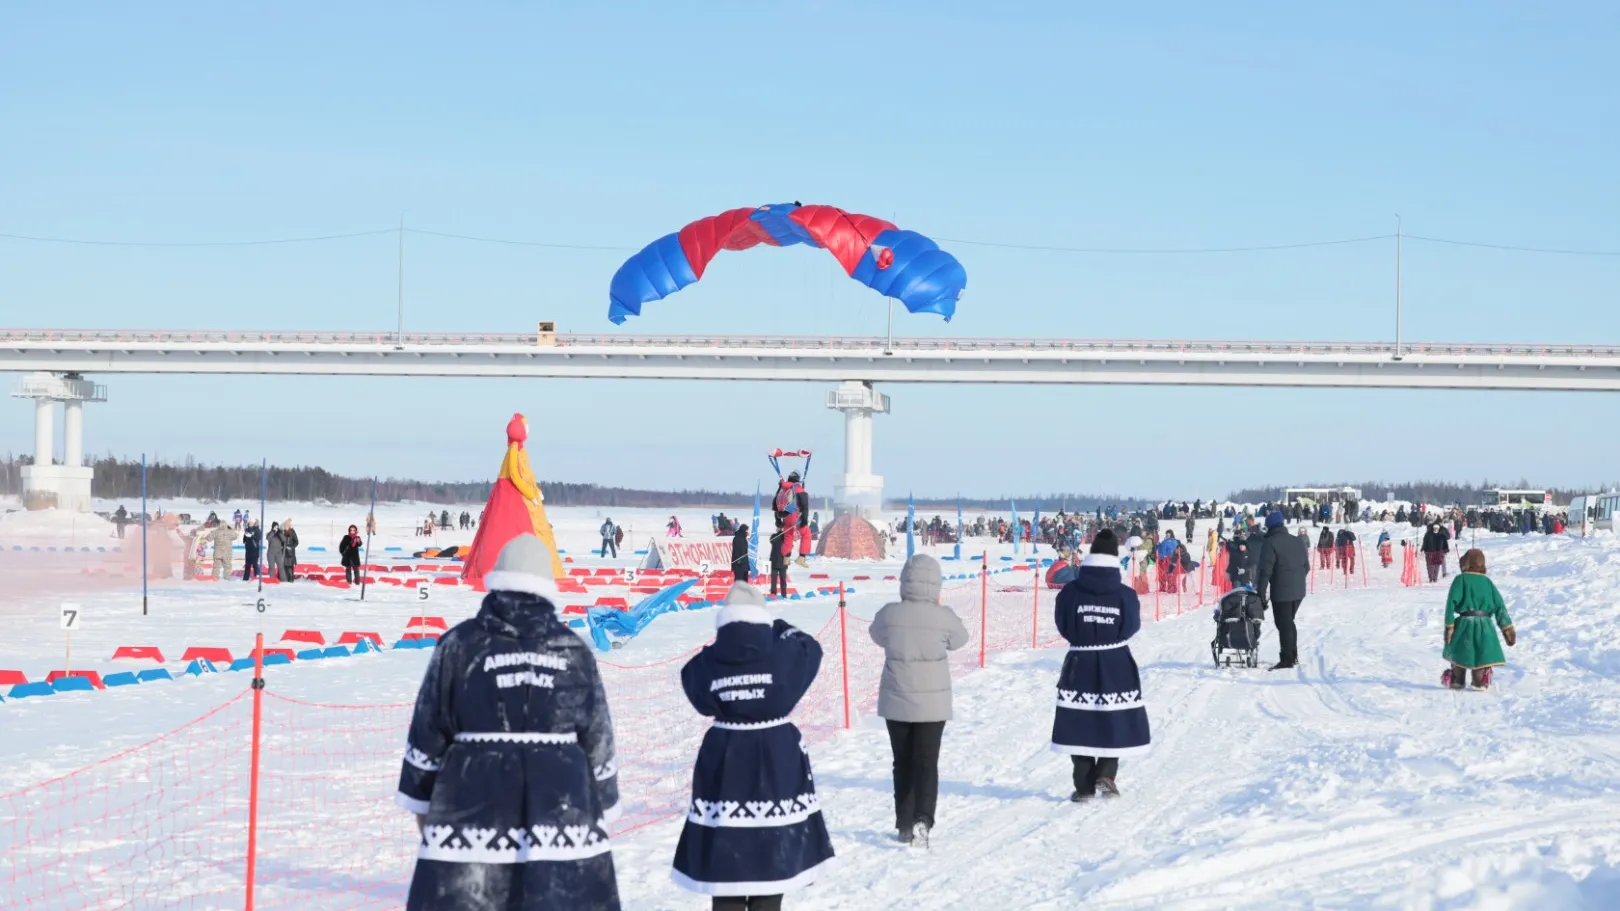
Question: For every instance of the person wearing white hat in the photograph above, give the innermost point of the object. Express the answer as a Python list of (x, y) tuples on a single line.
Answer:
[(509, 764)]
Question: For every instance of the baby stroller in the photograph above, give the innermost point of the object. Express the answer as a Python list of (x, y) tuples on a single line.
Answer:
[(1237, 629)]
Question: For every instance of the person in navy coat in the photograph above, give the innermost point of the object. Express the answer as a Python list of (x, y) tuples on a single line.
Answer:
[(754, 828), (509, 763), (1100, 712)]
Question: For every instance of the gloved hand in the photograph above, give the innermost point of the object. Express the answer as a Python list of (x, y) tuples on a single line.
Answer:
[(1510, 636)]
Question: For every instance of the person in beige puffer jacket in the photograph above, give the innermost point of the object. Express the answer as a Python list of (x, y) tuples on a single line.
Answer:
[(917, 633)]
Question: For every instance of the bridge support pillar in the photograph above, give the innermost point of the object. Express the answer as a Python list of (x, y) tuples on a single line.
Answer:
[(858, 490), (45, 483)]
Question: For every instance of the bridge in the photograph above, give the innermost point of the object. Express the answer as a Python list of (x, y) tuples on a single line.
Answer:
[(1568, 368), (62, 357)]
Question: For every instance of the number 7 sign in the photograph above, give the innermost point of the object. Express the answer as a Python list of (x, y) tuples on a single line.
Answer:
[(70, 617)]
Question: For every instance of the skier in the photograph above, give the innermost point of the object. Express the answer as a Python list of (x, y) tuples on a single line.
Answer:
[(509, 763), (1100, 712), (349, 550), (1471, 606), (739, 553), (1285, 564), (916, 634), (754, 828)]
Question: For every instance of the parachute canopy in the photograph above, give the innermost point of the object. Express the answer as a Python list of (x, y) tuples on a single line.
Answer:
[(900, 264)]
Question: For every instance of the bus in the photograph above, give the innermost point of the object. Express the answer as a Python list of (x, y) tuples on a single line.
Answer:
[(1319, 495), (1517, 499)]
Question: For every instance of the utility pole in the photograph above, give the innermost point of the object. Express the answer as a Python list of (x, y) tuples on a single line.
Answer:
[(1397, 286), (888, 342), (399, 333)]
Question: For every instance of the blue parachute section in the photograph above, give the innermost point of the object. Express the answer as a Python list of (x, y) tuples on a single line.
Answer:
[(900, 264), (606, 624)]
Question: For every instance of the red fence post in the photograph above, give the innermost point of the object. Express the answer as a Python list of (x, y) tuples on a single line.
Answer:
[(843, 648), (1361, 554), (1035, 615), (984, 605), (253, 768)]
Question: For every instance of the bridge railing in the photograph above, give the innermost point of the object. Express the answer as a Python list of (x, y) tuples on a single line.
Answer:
[(112, 338)]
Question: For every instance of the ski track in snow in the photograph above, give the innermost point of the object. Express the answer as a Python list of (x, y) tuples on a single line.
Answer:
[(1353, 781)]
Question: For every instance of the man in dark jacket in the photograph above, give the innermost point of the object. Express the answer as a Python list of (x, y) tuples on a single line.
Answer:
[(739, 553), (1285, 568)]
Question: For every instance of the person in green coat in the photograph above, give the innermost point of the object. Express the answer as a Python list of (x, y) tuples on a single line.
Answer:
[(1471, 607)]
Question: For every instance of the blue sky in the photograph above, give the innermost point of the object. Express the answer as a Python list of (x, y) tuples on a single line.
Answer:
[(1065, 124)]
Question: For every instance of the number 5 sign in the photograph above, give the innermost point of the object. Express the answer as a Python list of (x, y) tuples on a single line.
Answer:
[(423, 594), (70, 617)]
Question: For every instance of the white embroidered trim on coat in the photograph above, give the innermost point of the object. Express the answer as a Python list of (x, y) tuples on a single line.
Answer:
[(518, 737), (1102, 752), (1100, 702), (775, 887), (419, 807), (753, 814), (421, 760), (750, 725), (476, 845), (1097, 648), (606, 770)]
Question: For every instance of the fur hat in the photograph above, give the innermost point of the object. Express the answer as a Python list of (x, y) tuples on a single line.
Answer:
[(523, 566), (744, 604)]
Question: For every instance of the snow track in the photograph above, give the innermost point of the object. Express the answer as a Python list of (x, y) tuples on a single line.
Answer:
[(1353, 781)]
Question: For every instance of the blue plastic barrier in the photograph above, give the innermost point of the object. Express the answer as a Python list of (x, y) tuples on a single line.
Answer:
[(127, 678), (241, 664), (37, 688), (312, 654), (201, 666), (158, 673), (365, 647), (275, 659), (73, 685), (335, 651)]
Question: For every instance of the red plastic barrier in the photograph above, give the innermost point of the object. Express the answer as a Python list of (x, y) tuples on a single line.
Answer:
[(286, 652), (138, 653), (310, 636), (11, 678), (447, 580), (350, 638), (619, 603), (215, 655), (426, 622)]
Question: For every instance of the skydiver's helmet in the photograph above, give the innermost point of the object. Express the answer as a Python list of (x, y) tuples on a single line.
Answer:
[(793, 477)]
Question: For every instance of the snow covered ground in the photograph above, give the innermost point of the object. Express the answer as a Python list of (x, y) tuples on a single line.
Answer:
[(1351, 782)]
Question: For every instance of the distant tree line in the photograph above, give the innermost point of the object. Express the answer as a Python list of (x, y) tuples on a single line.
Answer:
[(1437, 492), (120, 479)]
